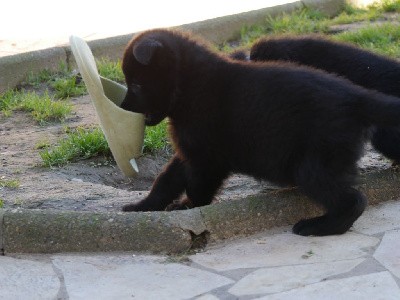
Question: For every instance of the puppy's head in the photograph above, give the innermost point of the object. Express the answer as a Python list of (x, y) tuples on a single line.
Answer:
[(150, 69)]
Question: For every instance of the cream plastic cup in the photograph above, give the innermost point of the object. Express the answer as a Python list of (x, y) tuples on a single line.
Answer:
[(124, 130)]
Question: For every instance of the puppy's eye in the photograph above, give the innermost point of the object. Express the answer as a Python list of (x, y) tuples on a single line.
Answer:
[(135, 88)]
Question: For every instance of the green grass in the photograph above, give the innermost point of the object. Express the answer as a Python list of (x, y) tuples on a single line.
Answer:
[(387, 5), (81, 143), (67, 84), (9, 101), (110, 69), (43, 144), (42, 77), (373, 12), (63, 82), (9, 183), (46, 76), (68, 87), (305, 21), (1, 203), (43, 108), (351, 14), (298, 22), (156, 138), (383, 39)]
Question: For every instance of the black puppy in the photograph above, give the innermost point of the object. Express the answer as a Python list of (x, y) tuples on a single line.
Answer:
[(360, 66), (288, 124)]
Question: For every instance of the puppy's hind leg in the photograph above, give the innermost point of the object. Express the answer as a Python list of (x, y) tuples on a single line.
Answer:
[(387, 141), (343, 203)]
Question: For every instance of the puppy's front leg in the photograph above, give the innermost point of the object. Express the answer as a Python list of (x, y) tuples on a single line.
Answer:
[(168, 186), (202, 183)]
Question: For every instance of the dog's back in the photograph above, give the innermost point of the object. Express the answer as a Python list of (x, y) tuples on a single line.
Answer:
[(360, 66)]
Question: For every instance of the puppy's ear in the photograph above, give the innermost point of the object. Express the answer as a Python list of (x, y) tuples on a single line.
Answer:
[(144, 50)]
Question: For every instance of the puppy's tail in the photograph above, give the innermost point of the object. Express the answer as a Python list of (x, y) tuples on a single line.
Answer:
[(380, 109)]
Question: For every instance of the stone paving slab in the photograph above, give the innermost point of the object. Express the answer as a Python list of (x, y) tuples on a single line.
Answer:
[(137, 277), (27, 279), (388, 252), (378, 219), (286, 249), (372, 286), (274, 264), (275, 280)]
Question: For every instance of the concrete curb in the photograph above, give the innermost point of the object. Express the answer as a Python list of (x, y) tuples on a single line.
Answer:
[(14, 69), (50, 231)]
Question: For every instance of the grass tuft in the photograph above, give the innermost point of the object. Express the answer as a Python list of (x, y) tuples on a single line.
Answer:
[(64, 82), (110, 69), (352, 14), (298, 22), (42, 77), (9, 101), (43, 108), (9, 183), (383, 39), (386, 5), (81, 143), (68, 87), (156, 139)]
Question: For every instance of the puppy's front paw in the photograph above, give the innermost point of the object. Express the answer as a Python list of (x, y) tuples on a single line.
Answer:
[(144, 205)]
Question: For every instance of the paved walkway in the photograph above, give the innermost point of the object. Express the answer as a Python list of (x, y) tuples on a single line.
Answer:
[(361, 264)]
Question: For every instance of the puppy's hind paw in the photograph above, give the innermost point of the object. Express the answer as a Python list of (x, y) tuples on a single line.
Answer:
[(321, 226)]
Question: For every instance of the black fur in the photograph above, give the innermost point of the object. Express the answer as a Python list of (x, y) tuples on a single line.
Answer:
[(288, 124), (239, 55), (360, 66)]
